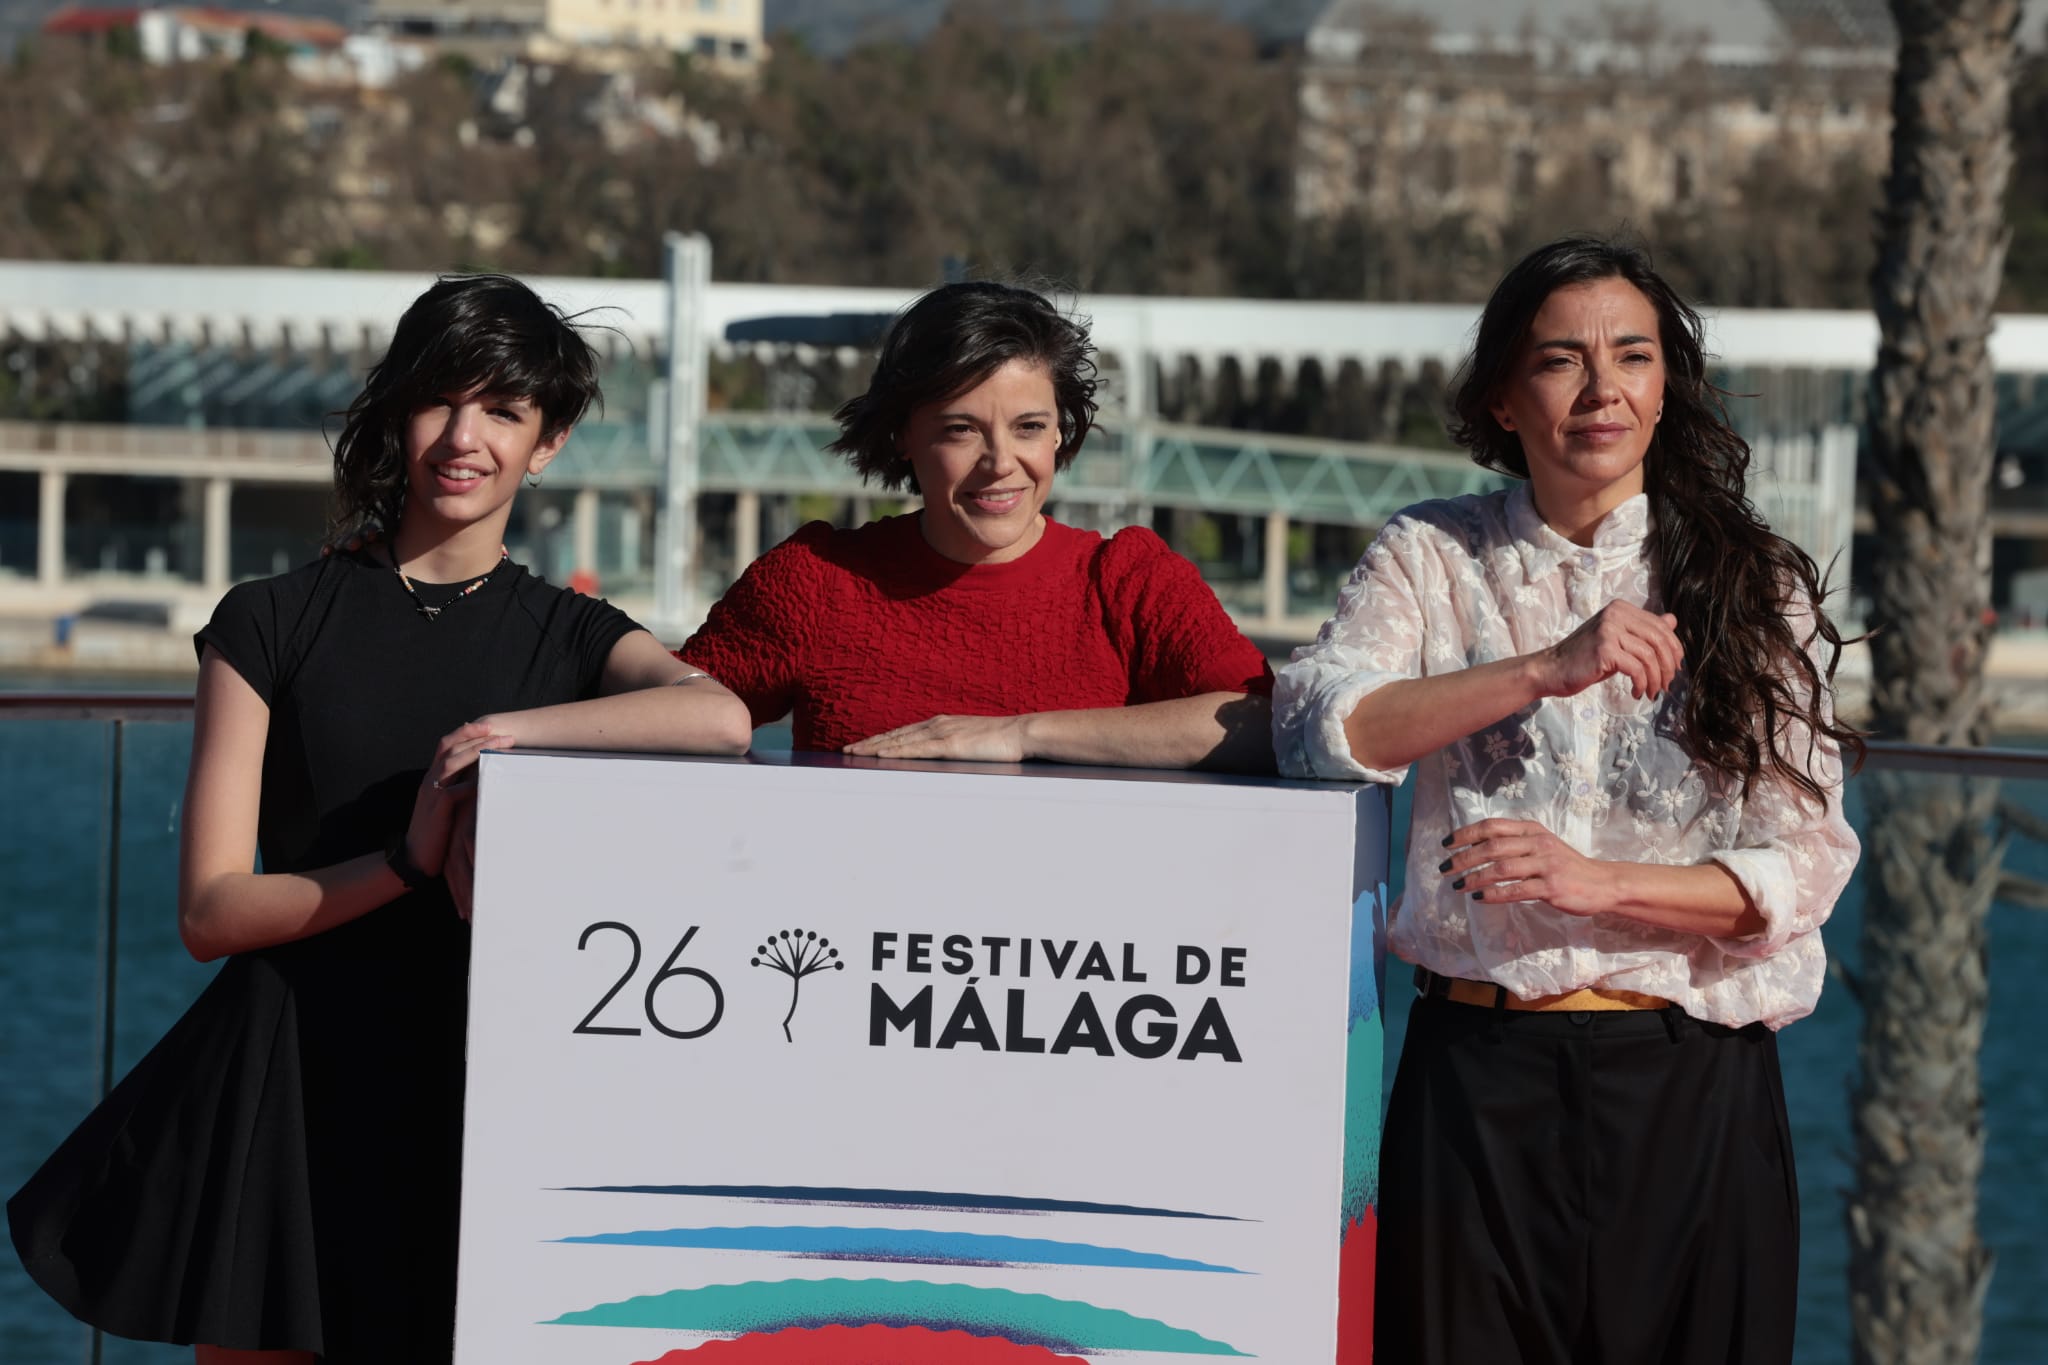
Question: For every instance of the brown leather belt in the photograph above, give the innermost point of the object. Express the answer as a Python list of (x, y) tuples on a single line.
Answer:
[(1487, 994)]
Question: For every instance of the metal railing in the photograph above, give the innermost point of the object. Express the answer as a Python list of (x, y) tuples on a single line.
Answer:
[(119, 710), (122, 709)]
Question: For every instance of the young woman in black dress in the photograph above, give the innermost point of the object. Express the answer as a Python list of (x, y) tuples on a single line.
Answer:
[(277, 1180)]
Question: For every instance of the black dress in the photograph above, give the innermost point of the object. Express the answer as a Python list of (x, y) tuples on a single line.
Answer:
[(281, 1171)]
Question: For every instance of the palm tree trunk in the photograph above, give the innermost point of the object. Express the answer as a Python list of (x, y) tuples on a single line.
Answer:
[(1918, 1269)]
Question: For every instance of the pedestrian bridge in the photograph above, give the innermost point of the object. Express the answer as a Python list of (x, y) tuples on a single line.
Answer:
[(765, 470), (177, 446)]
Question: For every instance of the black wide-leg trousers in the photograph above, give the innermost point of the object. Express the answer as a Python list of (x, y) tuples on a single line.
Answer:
[(1596, 1188)]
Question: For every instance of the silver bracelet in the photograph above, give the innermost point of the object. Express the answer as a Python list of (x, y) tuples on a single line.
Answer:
[(687, 677)]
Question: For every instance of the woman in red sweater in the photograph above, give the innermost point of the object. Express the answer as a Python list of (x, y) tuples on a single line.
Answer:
[(978, 627)]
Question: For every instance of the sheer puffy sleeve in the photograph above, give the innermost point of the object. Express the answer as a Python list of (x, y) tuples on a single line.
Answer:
[(1376, 637), (1793, 855)]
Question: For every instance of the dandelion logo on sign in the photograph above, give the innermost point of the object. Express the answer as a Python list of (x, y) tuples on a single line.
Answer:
[(797, 954)]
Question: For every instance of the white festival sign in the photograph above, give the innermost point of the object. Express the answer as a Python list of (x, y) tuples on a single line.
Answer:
[(823, 1061)]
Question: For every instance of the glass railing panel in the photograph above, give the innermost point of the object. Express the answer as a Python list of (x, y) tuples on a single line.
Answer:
[(154, 977), (60, 859), (52, 848), (2013, 1200), (1818, 1057)]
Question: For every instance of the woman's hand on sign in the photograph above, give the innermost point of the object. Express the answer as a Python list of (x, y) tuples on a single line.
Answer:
[(1500, 862), (446, 790), (976, 739), (1619, 638)]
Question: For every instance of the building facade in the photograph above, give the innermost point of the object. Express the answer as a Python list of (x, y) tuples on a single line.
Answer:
[(725, 35), (1455, 110)]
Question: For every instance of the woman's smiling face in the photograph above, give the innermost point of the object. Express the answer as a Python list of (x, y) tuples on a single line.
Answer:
[(465, 454), (1585, 390), (984, 460)]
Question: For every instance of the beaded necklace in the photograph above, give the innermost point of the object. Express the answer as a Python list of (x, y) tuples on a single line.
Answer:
[(431, 612)]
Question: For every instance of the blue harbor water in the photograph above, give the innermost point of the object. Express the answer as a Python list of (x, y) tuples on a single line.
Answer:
[(54, 874)]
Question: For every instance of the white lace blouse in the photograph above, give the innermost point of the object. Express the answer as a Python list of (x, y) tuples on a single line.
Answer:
[(1466, 581)]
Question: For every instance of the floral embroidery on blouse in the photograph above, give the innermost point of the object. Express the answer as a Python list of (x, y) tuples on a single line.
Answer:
[(1453, 584)]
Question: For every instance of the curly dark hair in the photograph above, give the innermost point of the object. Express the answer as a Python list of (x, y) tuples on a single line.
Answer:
[(467, 332), (1735, 586), (947, 342)]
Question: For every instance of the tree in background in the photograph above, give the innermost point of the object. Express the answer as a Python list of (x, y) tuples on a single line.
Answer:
[(106, 158), (1918, 1269), (1154, 151)]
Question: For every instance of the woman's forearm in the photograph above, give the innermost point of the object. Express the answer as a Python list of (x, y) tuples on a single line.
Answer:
[(1503, 860), (237, 912), (1403, 721), (1704, 899), (1230, 731), (1400, 722), (692, 717)]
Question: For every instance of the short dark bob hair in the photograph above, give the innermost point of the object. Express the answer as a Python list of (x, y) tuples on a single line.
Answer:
[(947, 342), (467, 333)]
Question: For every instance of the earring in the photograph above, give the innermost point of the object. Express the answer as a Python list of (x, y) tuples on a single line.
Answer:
[(533, 480)]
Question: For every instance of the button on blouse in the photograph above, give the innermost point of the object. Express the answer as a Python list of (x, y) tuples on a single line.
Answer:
[(1466, 581)]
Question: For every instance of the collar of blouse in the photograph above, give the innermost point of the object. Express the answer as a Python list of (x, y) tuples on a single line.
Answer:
[(1619, 539)]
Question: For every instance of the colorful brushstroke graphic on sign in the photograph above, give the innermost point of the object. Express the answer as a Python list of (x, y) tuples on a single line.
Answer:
[(912, 1246), (1058, 1325), (1364, 1047), (899, 1199), (871, 1345)]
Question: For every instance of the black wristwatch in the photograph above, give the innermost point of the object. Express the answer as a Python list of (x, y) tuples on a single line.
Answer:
[(403, 867)]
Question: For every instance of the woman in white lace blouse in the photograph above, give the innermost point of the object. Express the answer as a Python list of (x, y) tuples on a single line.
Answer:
[(1627, 833)]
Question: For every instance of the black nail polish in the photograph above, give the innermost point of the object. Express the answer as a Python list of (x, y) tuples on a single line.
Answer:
[(1444, 866), (1459, 885), (1447, 841), (1479, 895)]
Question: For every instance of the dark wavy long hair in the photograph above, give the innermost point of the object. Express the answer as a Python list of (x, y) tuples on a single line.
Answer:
[(467, 332), (950, 340), (1736, 587)]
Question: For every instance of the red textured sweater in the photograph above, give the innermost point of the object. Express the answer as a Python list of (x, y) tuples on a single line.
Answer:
[(858, 632)]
